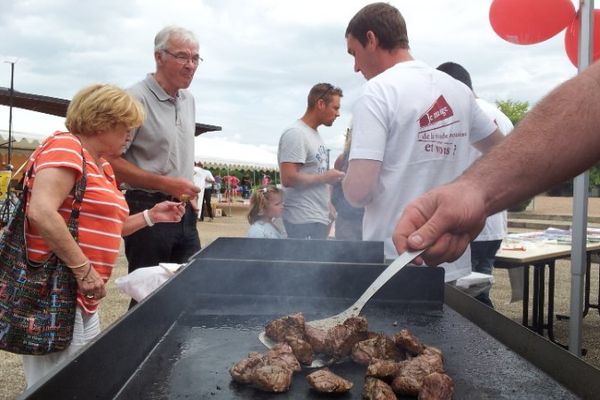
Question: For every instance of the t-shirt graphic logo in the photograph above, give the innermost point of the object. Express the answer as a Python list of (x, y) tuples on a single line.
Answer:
[(439, 111), (321, 157)]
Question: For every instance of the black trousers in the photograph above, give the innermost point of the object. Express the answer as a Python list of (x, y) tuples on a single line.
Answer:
[(206, 204), (163, 242)]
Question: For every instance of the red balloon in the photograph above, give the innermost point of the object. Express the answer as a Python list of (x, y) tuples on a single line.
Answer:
[(572, 39), (530, 21)]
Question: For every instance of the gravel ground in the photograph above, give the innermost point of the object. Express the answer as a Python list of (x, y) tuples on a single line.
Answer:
[(12, 381)]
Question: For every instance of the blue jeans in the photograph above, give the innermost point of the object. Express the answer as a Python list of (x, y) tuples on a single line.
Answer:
[(312, 230), (483, 255)]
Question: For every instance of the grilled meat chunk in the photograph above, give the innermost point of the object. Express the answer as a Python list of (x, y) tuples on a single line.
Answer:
[(317, 338), (271, 371), (410, 378), (437, 386), (383, 369), (434, 357), (281, 354), (409, 342), (325, 381), (341, 338), (290, 325), (433, 351), (242, 371), (272, 378), (301, 348), (380, 346), (376, 389)]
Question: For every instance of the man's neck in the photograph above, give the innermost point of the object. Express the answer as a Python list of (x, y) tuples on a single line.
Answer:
[(389, 58), (309, 119), (162, 82)]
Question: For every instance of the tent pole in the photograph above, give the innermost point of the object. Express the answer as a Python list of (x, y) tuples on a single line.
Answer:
[(10, 113), (580, 198)]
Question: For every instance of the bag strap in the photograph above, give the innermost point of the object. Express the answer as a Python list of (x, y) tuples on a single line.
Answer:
[(78, 194)]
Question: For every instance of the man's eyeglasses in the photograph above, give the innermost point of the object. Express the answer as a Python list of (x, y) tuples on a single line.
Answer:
[(183, 59)]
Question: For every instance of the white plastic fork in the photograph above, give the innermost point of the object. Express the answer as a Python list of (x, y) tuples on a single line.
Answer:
[(355, 309)]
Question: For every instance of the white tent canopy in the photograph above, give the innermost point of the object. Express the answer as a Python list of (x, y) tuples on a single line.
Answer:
[(218, 152), (213, 152), (21, 140)]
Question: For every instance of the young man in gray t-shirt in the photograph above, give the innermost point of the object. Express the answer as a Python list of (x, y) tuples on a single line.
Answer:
[(302, 159)]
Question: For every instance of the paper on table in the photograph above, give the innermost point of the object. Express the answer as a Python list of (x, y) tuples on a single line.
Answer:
[(515, 275), (475, 283)]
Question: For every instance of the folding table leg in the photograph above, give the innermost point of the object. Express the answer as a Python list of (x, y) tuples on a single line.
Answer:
[(551, 279), (525, 319)]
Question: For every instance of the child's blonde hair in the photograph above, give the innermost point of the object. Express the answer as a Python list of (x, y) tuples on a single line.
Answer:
[(259, 201)]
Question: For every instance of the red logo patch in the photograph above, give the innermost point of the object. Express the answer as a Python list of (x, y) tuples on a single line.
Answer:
[(439, 111)]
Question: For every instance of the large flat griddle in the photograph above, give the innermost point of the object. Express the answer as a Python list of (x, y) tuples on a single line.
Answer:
[(180, 342)]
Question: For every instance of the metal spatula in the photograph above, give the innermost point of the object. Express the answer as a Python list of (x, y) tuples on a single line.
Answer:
[(355, 308)]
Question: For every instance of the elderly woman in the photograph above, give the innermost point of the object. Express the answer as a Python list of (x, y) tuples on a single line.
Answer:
[(99, 120)]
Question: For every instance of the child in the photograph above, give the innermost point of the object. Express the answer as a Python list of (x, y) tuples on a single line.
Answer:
[(266, 205)]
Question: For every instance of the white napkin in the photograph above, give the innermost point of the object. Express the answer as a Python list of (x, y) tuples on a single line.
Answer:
[(143, 281)]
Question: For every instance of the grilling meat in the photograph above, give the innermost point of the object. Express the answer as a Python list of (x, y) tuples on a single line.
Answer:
[(434, 357), (271, 371), (325, 381), (410, 378), (272, 378), (317, 339), (437, 386), (301, 348), (290, 325), (376, 389), (380, 347), (407, 341), (422, 374), (383, 369), (291, 330), (341, 338), (281, 354), (242, 371)]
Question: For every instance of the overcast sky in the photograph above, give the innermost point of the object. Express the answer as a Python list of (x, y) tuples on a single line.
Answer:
[(261, 56)]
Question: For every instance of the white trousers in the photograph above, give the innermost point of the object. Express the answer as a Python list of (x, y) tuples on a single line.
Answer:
[(86, 328)]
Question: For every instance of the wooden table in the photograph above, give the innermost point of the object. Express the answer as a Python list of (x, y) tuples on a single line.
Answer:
[(541, 256)]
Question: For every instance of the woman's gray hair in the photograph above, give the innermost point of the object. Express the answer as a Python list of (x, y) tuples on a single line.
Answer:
[(161, 41)]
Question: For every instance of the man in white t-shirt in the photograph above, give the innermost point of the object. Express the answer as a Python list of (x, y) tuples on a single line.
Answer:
[(303, 162), (485, 246), (204, 179), (412, 127)]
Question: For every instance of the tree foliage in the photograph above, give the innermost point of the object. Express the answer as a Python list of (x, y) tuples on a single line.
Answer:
[(515, 110)]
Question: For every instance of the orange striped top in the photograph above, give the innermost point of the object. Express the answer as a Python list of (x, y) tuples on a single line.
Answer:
[(103, 210)]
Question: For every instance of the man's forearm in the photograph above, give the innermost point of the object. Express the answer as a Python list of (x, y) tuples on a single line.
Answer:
[(300, 180), (134, 176), (558, 139)]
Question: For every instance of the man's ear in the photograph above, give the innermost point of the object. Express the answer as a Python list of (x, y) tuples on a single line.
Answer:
[(372, 40), (158, 57)]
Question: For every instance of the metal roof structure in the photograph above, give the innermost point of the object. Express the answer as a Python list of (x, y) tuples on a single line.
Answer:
[(58, 107)]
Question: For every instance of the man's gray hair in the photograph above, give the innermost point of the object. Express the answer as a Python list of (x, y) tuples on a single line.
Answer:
[(161, 41)]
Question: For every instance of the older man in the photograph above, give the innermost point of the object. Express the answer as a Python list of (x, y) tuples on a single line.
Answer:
[(158, 164), (412, 126), (302, 158)]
